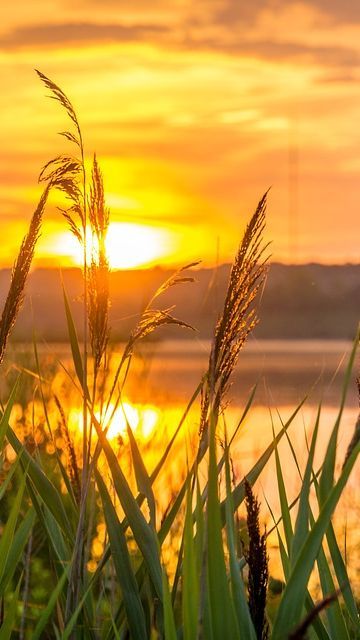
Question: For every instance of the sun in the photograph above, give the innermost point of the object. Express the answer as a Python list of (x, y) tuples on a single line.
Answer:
[(132, 245), (128, 245)]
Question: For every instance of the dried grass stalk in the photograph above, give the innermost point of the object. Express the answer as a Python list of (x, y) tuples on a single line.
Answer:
[(98, 272), (20, 273), (257, 560), (67, 173), (239, 315)]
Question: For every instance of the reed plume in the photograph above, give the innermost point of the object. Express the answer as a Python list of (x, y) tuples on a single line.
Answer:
[(98, 272), (67, 173), (152, 318), (20, 273), (239, 315), (257, 560)]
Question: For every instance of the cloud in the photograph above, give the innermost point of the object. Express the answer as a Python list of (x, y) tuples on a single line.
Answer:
[(78, 32), (347, 11), (220, 26), (278, 51), (233, 12)]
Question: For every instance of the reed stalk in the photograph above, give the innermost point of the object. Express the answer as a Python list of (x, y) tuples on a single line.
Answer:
[(20, 273)]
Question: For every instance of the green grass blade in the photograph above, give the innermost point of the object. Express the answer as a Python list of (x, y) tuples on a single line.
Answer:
[(284, 505), (289, 612), (74, 342), (327, 477), (142, 478), (243, 415), (342, 576), (16, 549), (169, 621), (5, 485), (9, 623), (46, 490), (120, 554), (9, 529), (164, 456), (6, 415), (302, 520), (200, 526), (239, 492), (70, 625), (144, 534), (190, 585), (224, 622), (45, 616), (334, 612), (340, 569), (238, 588), (336, 622), (46, 414), (56, 538)]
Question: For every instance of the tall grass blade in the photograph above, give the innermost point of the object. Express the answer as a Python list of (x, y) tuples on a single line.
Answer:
[(342, 576), (74, 342), (327, 476), (9, 623), (45, 616), (45, 488), (292, 601), (190, 585), (238, 493), (224, 623), (169, 621), (4, 421), (120, 554), (302, 520), (9, 529), (144, 534), (336, 622), (245, 623), (16, 549), (142, 478)]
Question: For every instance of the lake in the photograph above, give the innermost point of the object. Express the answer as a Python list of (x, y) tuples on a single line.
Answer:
[(163, 377)]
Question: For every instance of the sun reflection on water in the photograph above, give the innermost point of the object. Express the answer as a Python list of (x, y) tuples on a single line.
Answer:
[(142, 419)]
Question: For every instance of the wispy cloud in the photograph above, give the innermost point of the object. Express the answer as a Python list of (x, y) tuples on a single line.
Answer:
[(89, 33), (48, 35)]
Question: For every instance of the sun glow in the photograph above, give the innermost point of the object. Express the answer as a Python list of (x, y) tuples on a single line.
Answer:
[(128, 245), (141, 418)]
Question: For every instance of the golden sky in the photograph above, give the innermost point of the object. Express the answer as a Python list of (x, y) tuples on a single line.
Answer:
[(194, 109)]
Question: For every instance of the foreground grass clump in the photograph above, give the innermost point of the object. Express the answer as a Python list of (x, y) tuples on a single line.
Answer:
[(61, 494)]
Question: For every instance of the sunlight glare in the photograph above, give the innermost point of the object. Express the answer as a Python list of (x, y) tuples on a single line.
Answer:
[(141, 418), (128, 245)]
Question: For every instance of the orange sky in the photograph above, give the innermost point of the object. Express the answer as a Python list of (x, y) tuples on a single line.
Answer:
[(194, 109)]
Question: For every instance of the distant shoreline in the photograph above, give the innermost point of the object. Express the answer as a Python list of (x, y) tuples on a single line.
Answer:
[(299, 302)]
